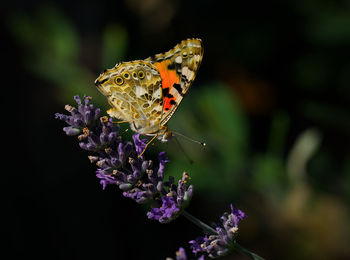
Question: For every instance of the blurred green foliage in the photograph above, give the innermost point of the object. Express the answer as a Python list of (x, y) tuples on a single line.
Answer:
[(220, 123), (52, 48), (328, 22), (115, 42)]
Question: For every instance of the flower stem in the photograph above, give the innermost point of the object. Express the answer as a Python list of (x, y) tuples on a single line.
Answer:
[(207, 229), (202, 225), (246, 252)]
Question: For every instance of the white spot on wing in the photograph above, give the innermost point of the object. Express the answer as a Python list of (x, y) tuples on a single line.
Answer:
[(187, 72), (197, 57), (156, 93), (140, 91), (178, 59)]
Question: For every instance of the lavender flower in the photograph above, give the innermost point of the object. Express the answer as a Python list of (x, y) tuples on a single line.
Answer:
[(80, 118), (181, 255), (173, 202), (119, 162), (222, 242)]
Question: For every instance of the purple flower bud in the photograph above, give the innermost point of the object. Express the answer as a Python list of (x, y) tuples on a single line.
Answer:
[(162, 161), (103, 138), (130, 178), (146, 165), (97, 114), (112, 137), (115, 162), (188, 194), (160, 186), (87, 100), (77, 99), (137, 174), (83, 146), (121, 152), (78, 122), (125, 186), (140, 144), (71, 131), (88, 116)]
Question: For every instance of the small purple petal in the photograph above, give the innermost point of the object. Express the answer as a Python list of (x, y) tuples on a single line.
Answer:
[(237, 215), (196, 244), (106, 180), (166, 213), (77, 99), (97, 114), (181, 254), (162, 161), (140, 144), (88, 116)]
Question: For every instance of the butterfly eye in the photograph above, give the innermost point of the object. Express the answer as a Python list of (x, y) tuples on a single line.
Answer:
[(141, 74), (119, 80), (134, 75), (126, 75)]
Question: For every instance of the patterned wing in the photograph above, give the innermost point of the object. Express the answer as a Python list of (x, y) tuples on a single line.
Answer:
[(178, 68), (133, 89)]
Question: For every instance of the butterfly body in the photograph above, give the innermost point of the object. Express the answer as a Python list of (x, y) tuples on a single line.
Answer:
[(147, 92)]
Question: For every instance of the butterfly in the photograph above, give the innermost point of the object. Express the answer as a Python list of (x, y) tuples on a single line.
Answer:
[(146, 93)]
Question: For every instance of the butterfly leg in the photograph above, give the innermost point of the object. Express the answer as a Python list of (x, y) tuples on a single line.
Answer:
[(120, 122), (149, 142)]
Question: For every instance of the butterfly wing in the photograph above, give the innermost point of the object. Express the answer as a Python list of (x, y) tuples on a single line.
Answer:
[(177, 68), (134, 91)]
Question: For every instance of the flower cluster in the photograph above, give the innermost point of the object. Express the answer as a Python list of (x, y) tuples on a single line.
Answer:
[(219, 244), (119, 162), (173, 201)]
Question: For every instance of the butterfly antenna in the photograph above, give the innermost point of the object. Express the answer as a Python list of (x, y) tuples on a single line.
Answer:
[(183, 150), (190, 139)]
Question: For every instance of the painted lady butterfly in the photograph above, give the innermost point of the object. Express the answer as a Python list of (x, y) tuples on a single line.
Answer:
[(146, 93)]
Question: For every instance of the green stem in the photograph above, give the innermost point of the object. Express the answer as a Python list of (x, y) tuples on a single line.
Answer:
[(202, 225), (209, 230), (246, 252)]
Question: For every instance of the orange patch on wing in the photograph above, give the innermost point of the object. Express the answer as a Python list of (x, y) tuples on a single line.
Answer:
[(169, 78), (167, 104)]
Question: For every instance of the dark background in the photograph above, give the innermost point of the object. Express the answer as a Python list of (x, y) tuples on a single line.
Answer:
[(271, 100)]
